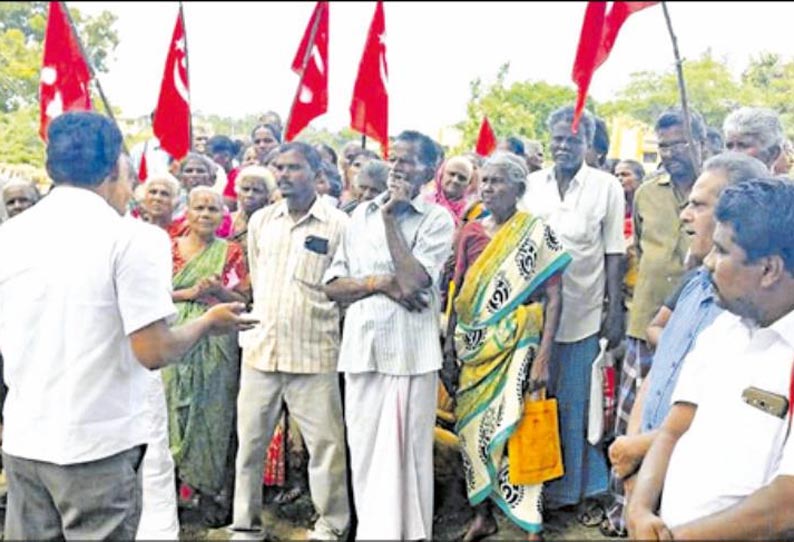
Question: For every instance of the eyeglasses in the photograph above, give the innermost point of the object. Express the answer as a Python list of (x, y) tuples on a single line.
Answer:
[(671, 146)]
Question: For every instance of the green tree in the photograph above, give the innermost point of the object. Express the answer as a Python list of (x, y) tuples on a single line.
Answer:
[(711, 90), (19, 132), (520, 109), (22, 26), (768, 81)]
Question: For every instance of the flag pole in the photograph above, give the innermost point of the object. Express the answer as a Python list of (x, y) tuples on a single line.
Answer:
[(363, 141), (92, 71), (187, 73), (306, 56), (693, 151)]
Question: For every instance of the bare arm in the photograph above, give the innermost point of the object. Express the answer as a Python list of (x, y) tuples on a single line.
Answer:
[(157, 345), (627, 452), (763, 515), (643, 522), (551, 320), (614, 325), (185, 294), (345, 290), (410, 274), (656, 326)]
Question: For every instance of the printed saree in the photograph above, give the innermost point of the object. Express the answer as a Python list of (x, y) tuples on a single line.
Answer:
[(201, 389), (496, 339)]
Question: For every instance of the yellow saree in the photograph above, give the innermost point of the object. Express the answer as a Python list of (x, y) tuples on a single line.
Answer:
[(496, 339)]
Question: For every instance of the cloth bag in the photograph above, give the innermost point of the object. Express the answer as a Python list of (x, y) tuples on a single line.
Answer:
[(534, 448), (601, 413)]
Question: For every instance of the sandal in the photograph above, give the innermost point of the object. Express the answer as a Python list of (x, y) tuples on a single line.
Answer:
[(610, 531), (592, 515), (287, 496)]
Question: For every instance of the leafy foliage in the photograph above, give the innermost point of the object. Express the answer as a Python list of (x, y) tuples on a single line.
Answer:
[(520, 109), (22, 26)]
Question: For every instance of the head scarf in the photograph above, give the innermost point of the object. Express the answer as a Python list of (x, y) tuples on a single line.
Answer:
[(437, 195)]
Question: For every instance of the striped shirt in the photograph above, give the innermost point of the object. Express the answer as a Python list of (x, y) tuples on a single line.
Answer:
[(299, 329), (380, 335)]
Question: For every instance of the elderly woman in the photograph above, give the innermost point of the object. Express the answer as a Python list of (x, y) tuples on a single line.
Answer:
[(255, 185), (450, 189), (201, 388), (508, 266), (159, 195), (197, 170)]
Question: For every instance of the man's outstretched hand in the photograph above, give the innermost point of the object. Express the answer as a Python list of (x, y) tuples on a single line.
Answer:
[(228, 317)]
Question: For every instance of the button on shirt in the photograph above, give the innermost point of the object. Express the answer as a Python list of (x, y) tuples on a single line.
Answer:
[(731, 448), (662, 244), (76, 279), (380, 335), (589, 220), (299, 325), (694, 312)]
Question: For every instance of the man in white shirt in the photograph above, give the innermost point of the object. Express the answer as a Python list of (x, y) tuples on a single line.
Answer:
[(81, 319), (585, 206), (724, 455), (387, 269)]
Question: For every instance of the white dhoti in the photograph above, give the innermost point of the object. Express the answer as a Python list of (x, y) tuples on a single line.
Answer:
[(390, 423), (159, 519)]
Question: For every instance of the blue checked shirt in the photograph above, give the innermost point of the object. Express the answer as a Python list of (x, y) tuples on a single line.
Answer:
[(694, 311)]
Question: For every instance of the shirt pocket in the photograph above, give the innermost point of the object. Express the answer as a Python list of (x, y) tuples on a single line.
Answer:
[(310, 267), (577, 227)]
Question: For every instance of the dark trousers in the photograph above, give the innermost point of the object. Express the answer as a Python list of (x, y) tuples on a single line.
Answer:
[(96, 500)]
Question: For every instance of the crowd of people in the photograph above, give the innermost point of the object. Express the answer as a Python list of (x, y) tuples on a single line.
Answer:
[(175, 335)]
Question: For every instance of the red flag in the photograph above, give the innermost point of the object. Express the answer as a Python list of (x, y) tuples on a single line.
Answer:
[(64, 72), (599, 32), (311, 63), (486, 140), (172, 117), (369, 109), (143, 170)]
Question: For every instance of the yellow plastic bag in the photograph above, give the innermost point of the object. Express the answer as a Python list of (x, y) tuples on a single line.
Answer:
[(534, 449)]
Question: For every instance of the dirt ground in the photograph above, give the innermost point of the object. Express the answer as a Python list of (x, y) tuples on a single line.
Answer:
[(292, 521), (452, 514)]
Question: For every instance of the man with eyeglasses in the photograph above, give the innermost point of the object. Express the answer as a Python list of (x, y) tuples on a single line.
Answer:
[(661, 245)]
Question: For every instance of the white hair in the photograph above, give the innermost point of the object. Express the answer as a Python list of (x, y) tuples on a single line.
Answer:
[(758, 121), (259, 172), (163, 178)]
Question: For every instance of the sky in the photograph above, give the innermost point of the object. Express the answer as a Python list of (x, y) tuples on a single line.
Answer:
[(240, 52)]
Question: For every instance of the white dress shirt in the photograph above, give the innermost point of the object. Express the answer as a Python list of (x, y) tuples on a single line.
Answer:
[(76, 279), (589, 220), (381, 335), (732, 448)]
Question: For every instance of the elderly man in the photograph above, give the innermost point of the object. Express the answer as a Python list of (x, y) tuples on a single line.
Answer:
[(81, 319), (19, 195), (755, 131), (722, 465), (369, 183), (688, 311), (292, 357), (387, 269), (585, 206)]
